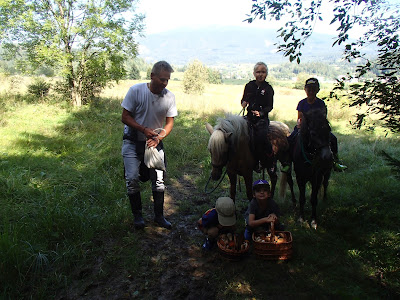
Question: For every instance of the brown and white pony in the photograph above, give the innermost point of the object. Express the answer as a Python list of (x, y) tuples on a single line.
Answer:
[(229, 146)]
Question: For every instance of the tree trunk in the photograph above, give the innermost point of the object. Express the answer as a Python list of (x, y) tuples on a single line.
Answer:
[(76, 99)]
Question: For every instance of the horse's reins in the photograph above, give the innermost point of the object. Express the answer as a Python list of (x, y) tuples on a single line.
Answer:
[(303, 150)]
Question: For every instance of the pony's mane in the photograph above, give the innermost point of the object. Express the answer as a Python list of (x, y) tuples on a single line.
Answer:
[(233, 124), (315, 116)]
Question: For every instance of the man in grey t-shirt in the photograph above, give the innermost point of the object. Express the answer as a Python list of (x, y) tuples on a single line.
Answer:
[(146, 108)]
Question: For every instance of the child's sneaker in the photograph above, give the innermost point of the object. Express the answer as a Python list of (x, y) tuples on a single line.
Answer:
[(208, 244), (247, 235)]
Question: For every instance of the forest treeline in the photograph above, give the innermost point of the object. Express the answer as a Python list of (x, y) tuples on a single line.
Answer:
[(218, 75)]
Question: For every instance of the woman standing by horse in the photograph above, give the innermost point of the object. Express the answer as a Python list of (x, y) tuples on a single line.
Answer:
[(258, 97)]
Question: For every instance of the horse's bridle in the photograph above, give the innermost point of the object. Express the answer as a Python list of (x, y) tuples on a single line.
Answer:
[(228, 156), (313, 154)]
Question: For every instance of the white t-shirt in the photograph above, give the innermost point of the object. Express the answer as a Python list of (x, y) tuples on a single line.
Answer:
[(148, 109)]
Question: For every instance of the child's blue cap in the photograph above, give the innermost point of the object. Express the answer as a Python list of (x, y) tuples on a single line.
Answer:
[(260, 182)]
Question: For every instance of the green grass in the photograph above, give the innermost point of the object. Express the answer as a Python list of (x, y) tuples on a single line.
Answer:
[(62, 193)]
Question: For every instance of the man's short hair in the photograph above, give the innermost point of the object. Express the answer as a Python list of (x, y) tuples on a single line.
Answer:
[(161, 66)]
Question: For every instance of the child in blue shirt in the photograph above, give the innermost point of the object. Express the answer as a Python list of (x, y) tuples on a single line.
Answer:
[(217, 220)]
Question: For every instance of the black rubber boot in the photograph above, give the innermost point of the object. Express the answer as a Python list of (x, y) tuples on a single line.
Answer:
[(159, 210), (136, 206)]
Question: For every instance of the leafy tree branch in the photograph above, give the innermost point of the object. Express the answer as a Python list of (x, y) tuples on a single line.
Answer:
[(379, 24)]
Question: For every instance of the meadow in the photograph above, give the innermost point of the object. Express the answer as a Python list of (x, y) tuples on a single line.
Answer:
[(66, 231)]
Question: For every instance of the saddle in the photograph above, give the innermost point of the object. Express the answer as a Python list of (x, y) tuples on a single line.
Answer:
[(253, 145), (250, 126)]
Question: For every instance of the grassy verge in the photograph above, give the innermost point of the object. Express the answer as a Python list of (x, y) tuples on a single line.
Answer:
[(62, 195)]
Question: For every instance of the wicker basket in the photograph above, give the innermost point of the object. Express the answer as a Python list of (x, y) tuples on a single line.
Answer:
[(233, 254), (272, 249)]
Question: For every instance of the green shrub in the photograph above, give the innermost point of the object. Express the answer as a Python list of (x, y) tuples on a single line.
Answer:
[(39, 88), (134, 73), (194, 78)]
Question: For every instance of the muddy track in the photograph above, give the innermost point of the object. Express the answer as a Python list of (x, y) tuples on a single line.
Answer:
[(177, 269)]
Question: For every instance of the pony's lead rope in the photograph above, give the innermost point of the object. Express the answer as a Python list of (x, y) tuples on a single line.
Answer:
[(219, 182)]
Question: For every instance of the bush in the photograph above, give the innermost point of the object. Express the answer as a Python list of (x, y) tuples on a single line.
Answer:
[(148, 74), (39, 88), (134, 73), (194, 78), (300, 82), (214, 77)]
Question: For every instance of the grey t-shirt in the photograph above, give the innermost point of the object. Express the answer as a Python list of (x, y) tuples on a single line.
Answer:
[(253, 208), (148, 109)]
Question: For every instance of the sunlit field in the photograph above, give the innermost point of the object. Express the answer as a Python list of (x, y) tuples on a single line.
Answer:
[(222, 98)]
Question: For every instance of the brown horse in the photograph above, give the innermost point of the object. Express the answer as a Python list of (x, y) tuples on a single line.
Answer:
[(230, 146)]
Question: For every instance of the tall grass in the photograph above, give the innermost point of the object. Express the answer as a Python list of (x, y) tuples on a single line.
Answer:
[(62, 192)]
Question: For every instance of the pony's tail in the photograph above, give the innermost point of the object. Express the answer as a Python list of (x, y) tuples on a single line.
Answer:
[(282, 185)]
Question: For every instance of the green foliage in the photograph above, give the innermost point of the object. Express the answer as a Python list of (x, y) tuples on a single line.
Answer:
[(392, 162), (148, 73), (380, 23), (46, 71), (141, 64), (214, 76), (87, 40), (287, 71), (134, 72), (66, 221), (39, 88), (195, 78), (301, 79)]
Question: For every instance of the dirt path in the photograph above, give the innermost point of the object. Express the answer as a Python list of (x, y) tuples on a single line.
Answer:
[(178, 268)]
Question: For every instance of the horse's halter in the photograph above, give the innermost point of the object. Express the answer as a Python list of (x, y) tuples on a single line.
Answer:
[(220, 166)]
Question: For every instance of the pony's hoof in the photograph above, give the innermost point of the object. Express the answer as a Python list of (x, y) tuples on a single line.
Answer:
[(314, 224)]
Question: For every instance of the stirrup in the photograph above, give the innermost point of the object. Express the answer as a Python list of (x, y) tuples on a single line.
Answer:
[(339, 167), (285, 169)]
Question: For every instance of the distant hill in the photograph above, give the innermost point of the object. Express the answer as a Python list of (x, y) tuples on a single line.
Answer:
[(228, 45)]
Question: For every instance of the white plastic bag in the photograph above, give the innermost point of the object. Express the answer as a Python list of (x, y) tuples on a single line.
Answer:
[(152, 159)]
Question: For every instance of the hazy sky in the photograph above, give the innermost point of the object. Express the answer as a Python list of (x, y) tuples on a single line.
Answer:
[(163, 15)]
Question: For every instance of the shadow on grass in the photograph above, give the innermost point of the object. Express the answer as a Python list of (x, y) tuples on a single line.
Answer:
[(64, 197)]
